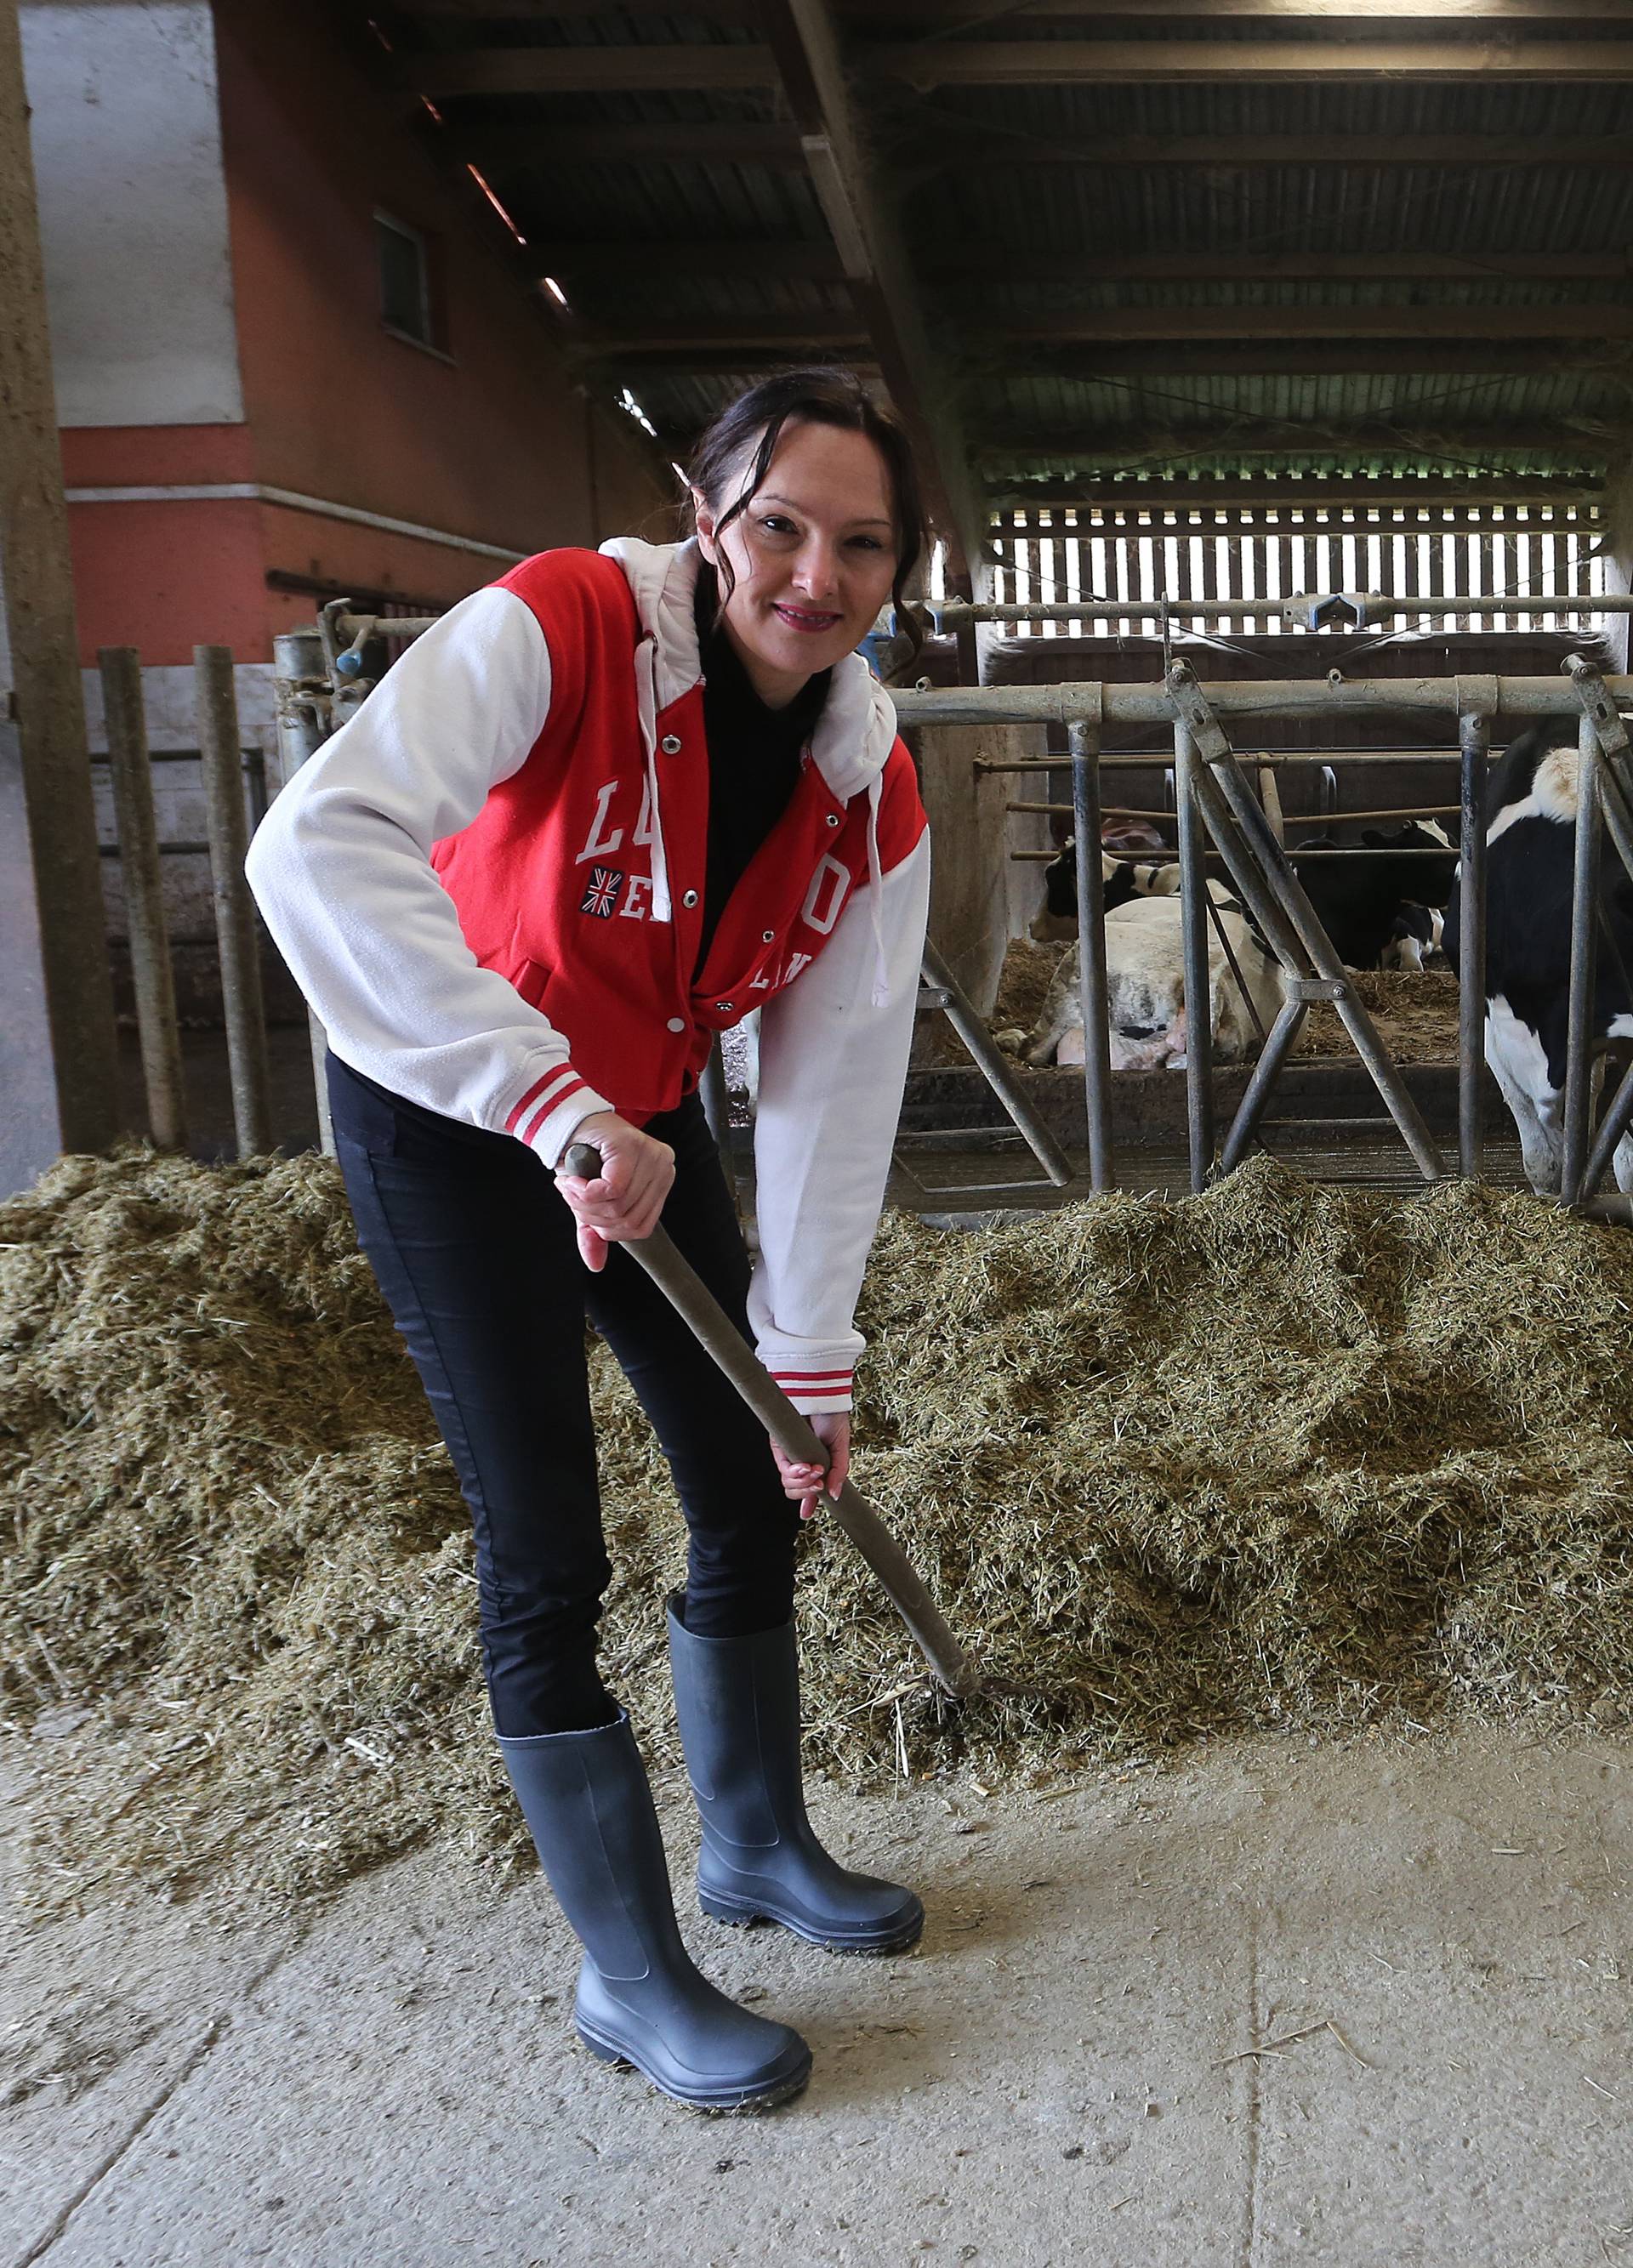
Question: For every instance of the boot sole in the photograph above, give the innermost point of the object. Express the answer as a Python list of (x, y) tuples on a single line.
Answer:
[(742, 2106), (736, 1917)]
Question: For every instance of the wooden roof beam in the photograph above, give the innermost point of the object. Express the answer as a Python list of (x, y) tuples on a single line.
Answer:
[(1194, 358), (1126, 62), (977, 260), (1125, 325), (965, 145), (876, 267), (754, 334), (642, 257), (783, 259), (1247, 437), (708, 67), (1334, 492), (505, 148), (1097, 328), (451, 17), (715, 67)]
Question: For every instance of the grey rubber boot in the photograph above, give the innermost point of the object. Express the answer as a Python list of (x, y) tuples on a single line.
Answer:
[(641, 1999), (737, 1703)]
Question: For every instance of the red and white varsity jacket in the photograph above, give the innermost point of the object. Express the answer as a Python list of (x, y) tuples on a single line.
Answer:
[(488, 886)]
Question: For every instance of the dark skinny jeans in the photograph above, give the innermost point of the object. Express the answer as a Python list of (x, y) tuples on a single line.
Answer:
[(475, 1252)]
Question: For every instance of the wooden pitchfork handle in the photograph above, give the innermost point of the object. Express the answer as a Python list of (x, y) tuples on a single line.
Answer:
[(698, 1307)]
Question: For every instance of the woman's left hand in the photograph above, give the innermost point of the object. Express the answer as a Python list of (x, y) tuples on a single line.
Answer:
[(807, 1484)]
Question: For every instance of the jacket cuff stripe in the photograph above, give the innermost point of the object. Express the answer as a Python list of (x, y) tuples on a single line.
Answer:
[(561, 1071), (551, 1101)]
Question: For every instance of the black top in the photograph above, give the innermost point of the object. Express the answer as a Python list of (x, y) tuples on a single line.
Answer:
[(754, 757)]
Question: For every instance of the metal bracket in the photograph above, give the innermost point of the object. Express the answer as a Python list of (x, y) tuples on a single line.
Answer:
[(1477, 696), (1313, 987), (1190, 706), (1597, 705), (1354, 610)]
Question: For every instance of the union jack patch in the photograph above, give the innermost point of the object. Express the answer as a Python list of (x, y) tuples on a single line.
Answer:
[(601, 897)]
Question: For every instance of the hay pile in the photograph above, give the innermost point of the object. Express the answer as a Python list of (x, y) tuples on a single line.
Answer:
[(1279, 1455), (1026, 975), (1415, 1015)]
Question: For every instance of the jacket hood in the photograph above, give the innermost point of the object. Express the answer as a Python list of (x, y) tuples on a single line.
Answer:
[(856, 730)]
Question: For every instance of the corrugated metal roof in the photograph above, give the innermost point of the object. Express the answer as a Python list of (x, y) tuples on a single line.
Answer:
[(963, 195)]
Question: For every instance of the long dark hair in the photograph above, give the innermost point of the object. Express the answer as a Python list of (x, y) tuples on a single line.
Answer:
[(813, 397)]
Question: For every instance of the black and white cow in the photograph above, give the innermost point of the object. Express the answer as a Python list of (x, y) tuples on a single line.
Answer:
[(1121, 879), (1531, 805), (1145, 987), (1358, 900), (1415, 940)]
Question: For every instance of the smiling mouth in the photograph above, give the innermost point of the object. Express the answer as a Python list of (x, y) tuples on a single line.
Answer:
[(798, 620)]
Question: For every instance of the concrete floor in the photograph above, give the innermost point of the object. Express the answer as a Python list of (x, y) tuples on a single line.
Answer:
[(1358, 2004)]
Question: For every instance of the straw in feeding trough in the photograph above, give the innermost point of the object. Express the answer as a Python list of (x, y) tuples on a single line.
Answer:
[(1279, 1455)]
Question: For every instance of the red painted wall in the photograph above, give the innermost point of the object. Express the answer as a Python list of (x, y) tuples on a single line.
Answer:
[(492, 442), (489, 441)]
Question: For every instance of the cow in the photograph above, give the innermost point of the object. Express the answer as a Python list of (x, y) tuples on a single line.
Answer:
[(1121, 879), (1357, 900), (1415, 938), (1145, 987), (1530, 822)]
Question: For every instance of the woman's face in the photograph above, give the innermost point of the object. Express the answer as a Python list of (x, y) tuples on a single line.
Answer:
[(814, 553)]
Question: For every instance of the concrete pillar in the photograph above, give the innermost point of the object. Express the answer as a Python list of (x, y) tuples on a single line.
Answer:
[(58, 1056), (979, 897), (1619, 556)]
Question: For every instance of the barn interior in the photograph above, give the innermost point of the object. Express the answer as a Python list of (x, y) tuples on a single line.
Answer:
[(1272, 303), (1278, 1872)]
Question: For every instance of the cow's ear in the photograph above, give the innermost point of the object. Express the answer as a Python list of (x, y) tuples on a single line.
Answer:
[(1373, 837)]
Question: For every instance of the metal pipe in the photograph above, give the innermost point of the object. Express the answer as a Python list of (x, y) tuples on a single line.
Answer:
[(1289, 697), (1473, 732), (1615, 1124), (691, 1298), (1134, 760), (303, 716), (1267, 792), (1356, 1021), (1199, 1051), (1382, 605), (131, 777), (1616, 808), (1166, 857), (960, 1013), (222, 766), (954, 615), (717, 1110), (1249, 883), (1256, 1094), (1578, 1100), (1093, 993)]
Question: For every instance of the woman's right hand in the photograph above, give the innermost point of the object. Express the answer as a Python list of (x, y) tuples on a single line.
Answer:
[(623, 1202)]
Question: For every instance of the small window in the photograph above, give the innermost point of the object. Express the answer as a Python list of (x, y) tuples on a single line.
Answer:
[(405, 305)]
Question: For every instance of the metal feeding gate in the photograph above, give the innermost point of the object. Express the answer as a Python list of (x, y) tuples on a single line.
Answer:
[(322, 675), (1217, 805)]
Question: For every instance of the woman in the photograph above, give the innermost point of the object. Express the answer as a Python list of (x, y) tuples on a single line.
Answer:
[(598, 813)]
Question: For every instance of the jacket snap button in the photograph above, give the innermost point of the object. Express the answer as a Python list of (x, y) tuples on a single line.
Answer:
[(833, 818), (677, 1023), (670, 744), (691, 898), (768, 937), (722, 1007)]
